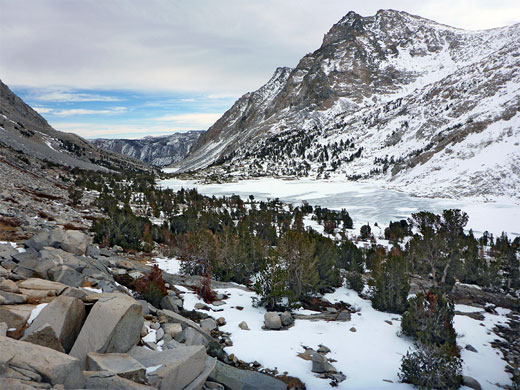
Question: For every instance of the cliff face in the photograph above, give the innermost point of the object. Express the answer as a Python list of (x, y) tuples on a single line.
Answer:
[(157, 151), (393, 97)]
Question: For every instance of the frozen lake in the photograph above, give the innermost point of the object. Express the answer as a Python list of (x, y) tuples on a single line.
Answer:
[(364, 202)]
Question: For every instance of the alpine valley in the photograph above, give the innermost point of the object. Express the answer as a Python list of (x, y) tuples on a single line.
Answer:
[(392, 98)]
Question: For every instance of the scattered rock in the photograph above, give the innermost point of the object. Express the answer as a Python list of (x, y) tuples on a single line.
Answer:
[(202, 306), (66, 316), (243, 325), (208, 324), (172, 329), (471, 348), (173, 368), (106, 380), (66, 275), (44, 336), (169, 303), (323, 349), (353, 329), (272, 321), (15, 315), (9, 286), (286, 318), (320, 364), (12, 299), (189, 336), (121, 364), (57, 368), (471, 382), (236, 379), (113, 325), (221, 321)]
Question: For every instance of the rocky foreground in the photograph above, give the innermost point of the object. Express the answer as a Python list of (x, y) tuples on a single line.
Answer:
[(56, 332)]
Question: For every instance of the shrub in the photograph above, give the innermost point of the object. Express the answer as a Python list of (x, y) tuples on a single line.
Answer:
[(431, 368), (392, 285), (429, 319), (151, 287), (355, 281)]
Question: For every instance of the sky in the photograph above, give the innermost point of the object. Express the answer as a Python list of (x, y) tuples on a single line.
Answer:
[(133, 68)]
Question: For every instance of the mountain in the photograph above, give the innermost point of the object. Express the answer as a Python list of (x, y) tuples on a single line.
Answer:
[(391, 98), (157, 151), (24, 131)]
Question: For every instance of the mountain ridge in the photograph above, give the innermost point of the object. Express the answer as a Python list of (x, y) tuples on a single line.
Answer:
[(359, 108)]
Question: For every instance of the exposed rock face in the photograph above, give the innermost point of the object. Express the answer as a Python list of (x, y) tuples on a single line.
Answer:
[(113, 325), (392, 96), (51, 366), (157, 151), (236, 379), (65, 315), (121, 364), (44, 336)]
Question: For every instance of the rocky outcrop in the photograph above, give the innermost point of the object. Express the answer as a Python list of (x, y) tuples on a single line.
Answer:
[(113, 325), (27, 361), (236, 379)]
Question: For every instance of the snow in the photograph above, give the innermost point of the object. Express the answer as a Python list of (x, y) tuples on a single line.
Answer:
[(92, 289), (365, 202), (152, 369), (36, 311), (171, 265), (366, 357)]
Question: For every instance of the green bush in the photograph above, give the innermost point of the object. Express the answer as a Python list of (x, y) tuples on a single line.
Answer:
[(429, 319), (431, 368), (392, 285), (355, 281)]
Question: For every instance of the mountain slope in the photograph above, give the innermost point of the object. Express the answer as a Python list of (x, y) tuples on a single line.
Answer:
[(157, 151), (394, 98), (24, 130)]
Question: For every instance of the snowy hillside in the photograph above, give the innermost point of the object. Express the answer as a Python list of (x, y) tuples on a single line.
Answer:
[(394, 98)]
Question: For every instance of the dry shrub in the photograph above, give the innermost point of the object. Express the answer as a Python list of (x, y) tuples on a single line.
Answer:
[(151, 287)]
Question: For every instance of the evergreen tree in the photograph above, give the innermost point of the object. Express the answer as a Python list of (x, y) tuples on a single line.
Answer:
[(392, 284)]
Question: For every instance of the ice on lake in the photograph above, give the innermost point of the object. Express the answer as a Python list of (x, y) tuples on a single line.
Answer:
[(365, 202)]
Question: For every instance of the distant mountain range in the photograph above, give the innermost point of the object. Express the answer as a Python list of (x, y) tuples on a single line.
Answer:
[(392, 98), (158, 151), (25, 132)]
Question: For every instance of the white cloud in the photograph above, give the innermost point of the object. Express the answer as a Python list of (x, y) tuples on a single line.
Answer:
[(43, 110), (60, 97), (199, 120), (82, 111)]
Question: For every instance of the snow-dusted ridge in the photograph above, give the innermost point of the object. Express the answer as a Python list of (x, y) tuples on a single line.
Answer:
[(395, 98)]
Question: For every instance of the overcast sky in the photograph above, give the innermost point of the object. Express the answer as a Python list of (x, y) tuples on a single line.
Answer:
[(132, 68)]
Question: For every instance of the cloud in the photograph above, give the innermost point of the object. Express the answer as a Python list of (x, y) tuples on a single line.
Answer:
[(43, 110), (82, 111), (59, 97), (187, 46), (202, 120)]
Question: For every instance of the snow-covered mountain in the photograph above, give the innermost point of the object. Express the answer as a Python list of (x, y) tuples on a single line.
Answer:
[(157, 151), (395, 98)]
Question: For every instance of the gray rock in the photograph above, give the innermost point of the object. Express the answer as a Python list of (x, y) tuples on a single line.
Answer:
[(272, 321), (66, 316), (159, 334), (213, 386), (105, 380), (92, 251), (208, 324), (168, 303), (39, 241), (113, 325), (471, 348), (177, 367), (147, 307), (12, 299), (323, 349), (41, 284), (3, 329), (9, 286), (173, 317), (15, 316), (57, 368), (172, 330), (74, 292), (66, 275), (201, 306), (189, 336), (243, 325), (286, 318), (236, 379), (320, 364), (44, 336), (17, 384), (221, 321), (343, 316), (75, 242), (198, 382), (471, 382), (121, 364)]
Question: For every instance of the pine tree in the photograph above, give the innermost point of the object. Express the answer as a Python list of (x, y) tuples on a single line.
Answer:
[(392, 284)]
